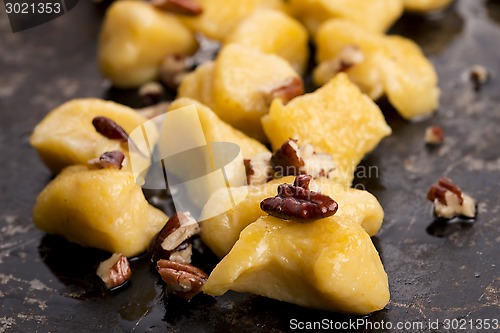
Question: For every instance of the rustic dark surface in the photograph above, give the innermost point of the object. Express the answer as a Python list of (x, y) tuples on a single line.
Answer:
[(435, 271)]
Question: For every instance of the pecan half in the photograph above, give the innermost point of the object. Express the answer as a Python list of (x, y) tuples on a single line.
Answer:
[(449, 200), (297, 202), (434, 135), (108, 160), (182, 280), (114, 271), (286, 91), (258, 169), (174, 237), (183, 7), (292, 160)]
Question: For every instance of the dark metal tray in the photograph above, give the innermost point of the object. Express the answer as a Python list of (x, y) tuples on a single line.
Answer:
[(436, 272)]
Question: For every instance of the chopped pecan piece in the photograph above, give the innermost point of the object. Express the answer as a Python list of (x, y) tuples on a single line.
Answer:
[(182, 253), (439, 189), (108, 160), (174, 237), (151, 93), (348, 57), (258, 169), (110, 129), (114, 271), (183, 7), (298, 202), (449, 200), (479, 75), (434, 135), (286, 91), (182, 280), (317, 164), (286, 161), (306, 182), (292, 160), (172, 69)]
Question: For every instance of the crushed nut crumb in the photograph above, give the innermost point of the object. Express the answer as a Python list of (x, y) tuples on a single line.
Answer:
[(434, 135)]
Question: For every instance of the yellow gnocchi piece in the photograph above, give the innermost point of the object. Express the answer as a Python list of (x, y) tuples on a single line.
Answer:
[(220, 17), (103, 208), (274, 32), (329, 264), (426, 5), (134, 39), (66, 135), (336, 119), (392, 65), (242, 79), (221, 232), (372, 15), (198, 85)]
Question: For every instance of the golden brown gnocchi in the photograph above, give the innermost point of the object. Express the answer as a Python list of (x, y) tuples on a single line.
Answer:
[(274, 32), (134, 39), (222, 231), (391, 65), (372, 15), (238, 86), (329, 264), (336, 119), (66, 135), (220, 17), (103, 208)]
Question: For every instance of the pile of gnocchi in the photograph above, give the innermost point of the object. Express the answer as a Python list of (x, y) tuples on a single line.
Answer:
[(300, 234)]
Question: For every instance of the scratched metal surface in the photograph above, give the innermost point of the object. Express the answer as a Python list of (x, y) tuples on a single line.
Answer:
[(435, 272)]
